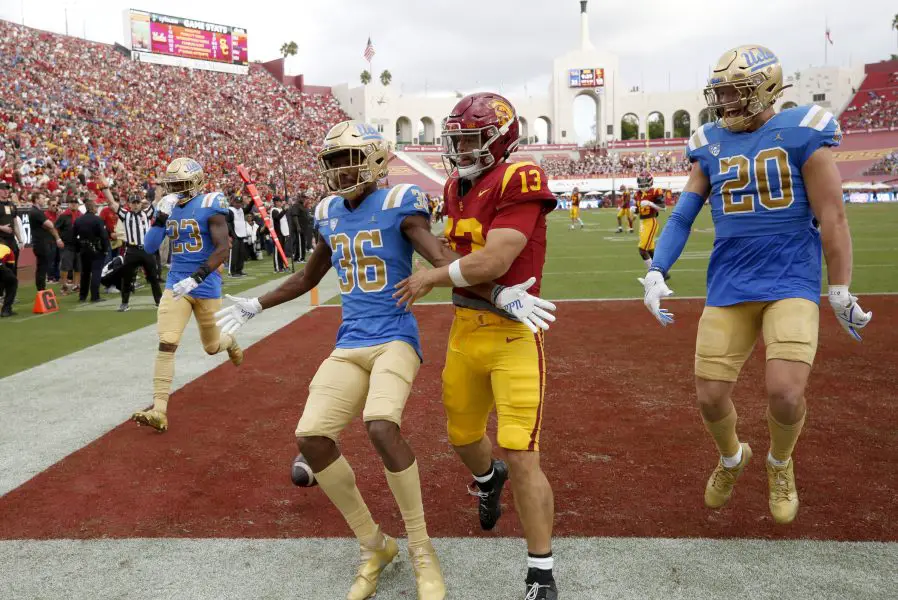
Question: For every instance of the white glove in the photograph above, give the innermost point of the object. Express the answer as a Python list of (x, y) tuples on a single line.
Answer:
[(529, 310), (655, 289), (184, 287), (233, 317), (848, 312), (167, 204)]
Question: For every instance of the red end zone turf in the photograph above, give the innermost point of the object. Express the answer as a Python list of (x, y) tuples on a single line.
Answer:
[(624, 447)]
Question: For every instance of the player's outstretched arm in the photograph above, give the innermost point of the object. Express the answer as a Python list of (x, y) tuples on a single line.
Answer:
[(534, 312), (671, 243), (417, 229), (824, 187), (233, 317)]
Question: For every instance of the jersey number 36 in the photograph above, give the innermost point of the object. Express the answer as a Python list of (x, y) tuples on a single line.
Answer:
[(368, 272)]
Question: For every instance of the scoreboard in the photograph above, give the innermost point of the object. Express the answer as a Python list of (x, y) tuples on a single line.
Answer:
[(153, 33), (587, 78)]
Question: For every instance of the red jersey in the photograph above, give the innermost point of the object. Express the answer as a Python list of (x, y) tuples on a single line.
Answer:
[(624, 200), (653, 196), (510, 196)]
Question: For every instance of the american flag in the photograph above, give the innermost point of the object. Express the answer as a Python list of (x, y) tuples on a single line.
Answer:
[(369, 51)]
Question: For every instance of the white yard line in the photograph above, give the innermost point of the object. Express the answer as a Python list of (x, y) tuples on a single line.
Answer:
[(58, 407), (322, 569)]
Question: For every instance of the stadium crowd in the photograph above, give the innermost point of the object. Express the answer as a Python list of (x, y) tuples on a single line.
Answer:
[(878, 112), (888, 165), (71, 109), (600, 163)]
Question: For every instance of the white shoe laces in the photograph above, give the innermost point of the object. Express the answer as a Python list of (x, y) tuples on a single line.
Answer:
[(474, 490)]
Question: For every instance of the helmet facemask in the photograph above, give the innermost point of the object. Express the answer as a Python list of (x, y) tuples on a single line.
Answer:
[(346, 170), (466, 152), (736, 103)]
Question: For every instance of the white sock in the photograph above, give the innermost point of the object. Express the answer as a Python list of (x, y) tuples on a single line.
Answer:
[(648, 262), (777, 463), (486, 477), (546, 564), (731, 461)]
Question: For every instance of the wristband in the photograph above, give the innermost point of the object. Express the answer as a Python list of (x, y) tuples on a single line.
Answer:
[(497, 289), (455, 275), (159, 221), (839, 291), (200, 274)]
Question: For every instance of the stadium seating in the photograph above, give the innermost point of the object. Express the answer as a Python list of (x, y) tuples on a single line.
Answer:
[(875, 105), (89, 108), (600, 163)]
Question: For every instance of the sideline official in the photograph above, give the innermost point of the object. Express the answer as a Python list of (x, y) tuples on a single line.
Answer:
[(8, 214), (137, 222), (92, 242), (43, 238), (9, 283)]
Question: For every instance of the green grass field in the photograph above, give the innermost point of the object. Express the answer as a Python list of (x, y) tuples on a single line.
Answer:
[(40, 338), (594, 262)]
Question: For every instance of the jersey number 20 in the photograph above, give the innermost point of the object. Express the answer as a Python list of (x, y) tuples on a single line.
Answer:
[(368, 272), (736, 202)]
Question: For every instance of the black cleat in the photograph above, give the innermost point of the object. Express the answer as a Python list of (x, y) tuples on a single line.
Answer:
[(490, 495), (541, 591)]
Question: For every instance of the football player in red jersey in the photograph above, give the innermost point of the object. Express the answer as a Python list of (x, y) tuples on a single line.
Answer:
[(496, 220)]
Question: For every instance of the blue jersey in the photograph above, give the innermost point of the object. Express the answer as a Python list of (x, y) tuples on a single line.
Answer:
[(371, 255), (191, 242), (766, 244)]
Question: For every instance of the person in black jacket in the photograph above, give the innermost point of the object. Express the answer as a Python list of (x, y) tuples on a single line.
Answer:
[(92, 242), (43, 239)]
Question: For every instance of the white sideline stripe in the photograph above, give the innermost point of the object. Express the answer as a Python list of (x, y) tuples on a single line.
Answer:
[(58, 407), (321, 569)]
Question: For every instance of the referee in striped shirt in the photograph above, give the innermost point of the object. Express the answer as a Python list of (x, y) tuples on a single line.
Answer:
[(137, 221)]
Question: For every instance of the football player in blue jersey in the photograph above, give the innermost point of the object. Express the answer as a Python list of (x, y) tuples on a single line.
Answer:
[(197, 229), (771, 178), (368, 236)]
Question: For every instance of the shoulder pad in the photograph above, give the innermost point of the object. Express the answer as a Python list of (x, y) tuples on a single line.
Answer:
[(699, 139), (322, 211), (214, 200), (816, 118), (405, 195), (513, 168)]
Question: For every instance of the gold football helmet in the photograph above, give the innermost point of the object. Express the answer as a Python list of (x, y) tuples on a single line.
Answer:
[(183, 176), (355, 154), (744, 83)]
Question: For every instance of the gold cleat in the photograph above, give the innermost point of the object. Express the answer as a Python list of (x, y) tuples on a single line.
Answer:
[(156, 419), (783, 495), (235, 353), (720, 485), (428, 574), (373, 564)]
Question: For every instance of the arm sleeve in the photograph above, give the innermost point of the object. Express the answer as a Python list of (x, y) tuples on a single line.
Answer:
[(829, 134), (153, 239), (676, 232), (122, 213), (521, 217), (414, 202)]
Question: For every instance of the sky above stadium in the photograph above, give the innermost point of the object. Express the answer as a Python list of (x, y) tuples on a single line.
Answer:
[(439, 46)]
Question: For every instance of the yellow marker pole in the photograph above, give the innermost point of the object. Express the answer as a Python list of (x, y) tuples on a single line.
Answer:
[(313, 300)]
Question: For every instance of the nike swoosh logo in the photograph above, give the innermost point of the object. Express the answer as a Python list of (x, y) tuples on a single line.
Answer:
[(482, 192), (509, 340)]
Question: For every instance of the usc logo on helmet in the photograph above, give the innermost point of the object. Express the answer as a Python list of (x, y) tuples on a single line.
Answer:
[(504, 112)]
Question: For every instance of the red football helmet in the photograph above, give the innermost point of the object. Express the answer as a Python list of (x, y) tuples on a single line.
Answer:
[(645, 181), (480, 132)]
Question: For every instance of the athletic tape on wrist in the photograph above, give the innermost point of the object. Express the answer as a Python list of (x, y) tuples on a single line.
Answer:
[(455, 275)]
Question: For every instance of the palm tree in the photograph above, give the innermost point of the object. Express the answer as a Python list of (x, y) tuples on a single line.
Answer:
[(386, 77), (895, 23), (289, 49), (365, 77)]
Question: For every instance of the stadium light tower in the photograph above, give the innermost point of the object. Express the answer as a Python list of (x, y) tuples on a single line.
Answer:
[(585, 43)]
